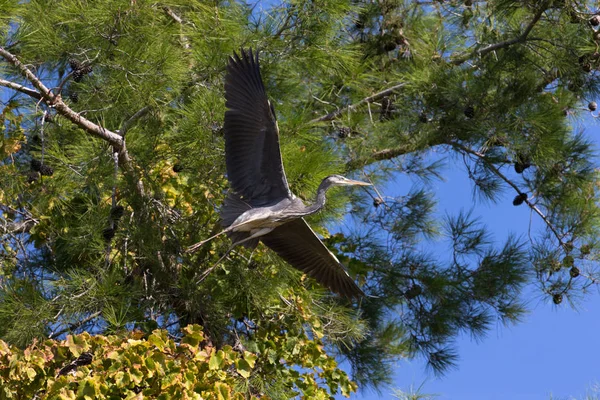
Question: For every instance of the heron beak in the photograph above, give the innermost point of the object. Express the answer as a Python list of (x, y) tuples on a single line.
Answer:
[(358, 183)]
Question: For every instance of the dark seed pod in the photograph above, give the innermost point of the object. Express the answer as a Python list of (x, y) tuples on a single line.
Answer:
[(413, 292), (48, 118), (520, 167), (46, 170), (74, 97), (389, 46), (74, 64), (87, 69), (423, 118), (36, 165), (177, 167), (592, 106), (469, 112), (377, 201), (344, 132), (108, 233), (78, 75), (117, 212), (521, 164), (585, 249), (519, 199), (574, 272), (595, 20), (586, 67), (557, 298), (32, 176)]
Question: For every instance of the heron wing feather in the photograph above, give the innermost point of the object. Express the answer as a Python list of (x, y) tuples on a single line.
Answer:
[(253, 157), (299, 245)]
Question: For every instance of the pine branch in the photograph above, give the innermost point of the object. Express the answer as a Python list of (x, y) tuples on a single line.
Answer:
[(56, 102), (129, 123), (333, 115), (19, 226), (388, 154), (20, 88), (481, 52), (385, 154), (76, 325), (496, 171)]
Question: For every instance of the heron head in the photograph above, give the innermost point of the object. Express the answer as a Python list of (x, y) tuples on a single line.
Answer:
[(338, 180)]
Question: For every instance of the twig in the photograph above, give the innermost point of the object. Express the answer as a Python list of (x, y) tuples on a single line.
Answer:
[(20, 88), (352, 107), (74, 326), (19, 227), (501, 45), (512, 184), (129, 123), (63, 109)]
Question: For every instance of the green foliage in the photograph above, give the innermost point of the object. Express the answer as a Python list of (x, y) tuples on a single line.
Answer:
[(376, 89)]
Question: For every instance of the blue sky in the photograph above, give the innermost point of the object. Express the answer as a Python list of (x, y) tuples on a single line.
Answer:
[(552, 352)]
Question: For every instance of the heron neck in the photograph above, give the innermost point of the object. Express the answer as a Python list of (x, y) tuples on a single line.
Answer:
[(320, 199)]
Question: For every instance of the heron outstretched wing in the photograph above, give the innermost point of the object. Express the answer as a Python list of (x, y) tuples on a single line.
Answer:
[(299, 245), (253, 158)]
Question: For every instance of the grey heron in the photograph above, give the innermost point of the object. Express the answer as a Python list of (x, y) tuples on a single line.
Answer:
[(260, 205)]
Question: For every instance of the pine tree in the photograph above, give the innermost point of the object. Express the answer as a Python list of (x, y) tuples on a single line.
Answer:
[(112, 164)]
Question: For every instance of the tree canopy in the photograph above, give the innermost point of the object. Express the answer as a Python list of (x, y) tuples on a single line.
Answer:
[(112, 164)]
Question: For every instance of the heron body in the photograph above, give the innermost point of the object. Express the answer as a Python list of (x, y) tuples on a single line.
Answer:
[(260, 205)]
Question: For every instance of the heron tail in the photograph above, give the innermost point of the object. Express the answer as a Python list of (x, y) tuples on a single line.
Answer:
[(232, 208)]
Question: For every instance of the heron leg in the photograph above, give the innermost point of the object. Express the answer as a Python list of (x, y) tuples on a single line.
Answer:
[(256, 234), (193, 248)]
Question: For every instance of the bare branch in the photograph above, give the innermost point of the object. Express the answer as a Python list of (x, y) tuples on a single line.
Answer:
[(480, 52), (385, 154), (173, 16), (129, 123), (18, 226), (76, 325), (56, 102), (20, 88), (352, 107)]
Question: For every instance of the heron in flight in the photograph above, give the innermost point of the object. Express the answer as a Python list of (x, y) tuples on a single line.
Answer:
[(260, 205)]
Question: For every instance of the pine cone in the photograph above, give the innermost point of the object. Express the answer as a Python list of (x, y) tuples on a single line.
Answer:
[(557, 298), (117, 212), (574, 272), (377, 201), (592, 106), (423, 118), (108, 234), (74, 64), (74, 97), (36, 165), (78, 75), (177, 167), (344, 132), (413, 292), (46, 170), (469, 112), (595, 20), (519, 199), (32, 176)]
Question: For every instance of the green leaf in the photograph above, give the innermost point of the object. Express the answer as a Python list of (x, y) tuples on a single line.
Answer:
[(243, 368)]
